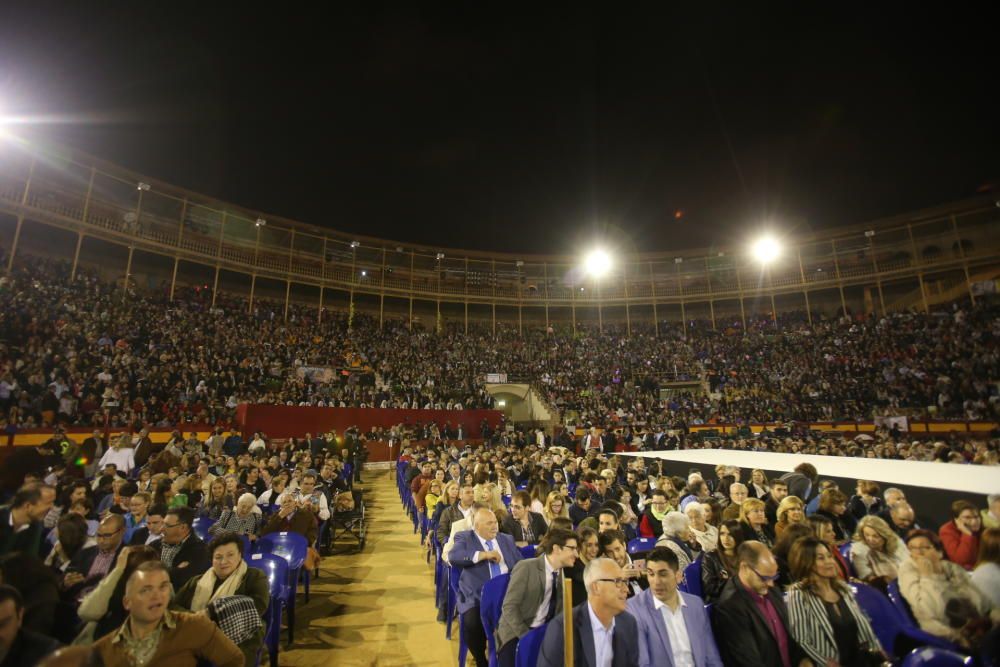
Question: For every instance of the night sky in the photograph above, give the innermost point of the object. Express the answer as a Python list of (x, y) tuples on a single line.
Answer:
[(491, 127)]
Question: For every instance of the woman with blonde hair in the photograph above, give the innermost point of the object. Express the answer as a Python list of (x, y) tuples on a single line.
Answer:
[(555, 506), (877, 552), (754, 520), (433, 495), (489, 495), (790, 510)]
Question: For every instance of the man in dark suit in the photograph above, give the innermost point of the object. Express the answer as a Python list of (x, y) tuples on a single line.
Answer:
[(514, 525), (92, 564), (603, 632), (751, 620), (18, 645), (21, 520), (482, 553), (153, 530), (183, 552), (534, 594)]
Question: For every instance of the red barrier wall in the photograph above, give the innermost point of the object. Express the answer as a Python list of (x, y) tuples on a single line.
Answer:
[(280, 421)]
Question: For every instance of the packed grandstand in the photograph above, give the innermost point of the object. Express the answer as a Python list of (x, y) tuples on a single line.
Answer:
[(132, 393)]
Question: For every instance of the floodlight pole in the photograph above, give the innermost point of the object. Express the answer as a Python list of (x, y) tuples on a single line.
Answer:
[(840, 282), (920, 274), (711, 302), (288, 276), (322, 285), (652, 290), (965, 263), (805, 288), (83, 218), (218, 259), (177, 257), (628, 317), (20, 217), (381, 299)]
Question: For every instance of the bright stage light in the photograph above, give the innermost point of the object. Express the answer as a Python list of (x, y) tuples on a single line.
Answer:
[(597, 263), (766, 249)]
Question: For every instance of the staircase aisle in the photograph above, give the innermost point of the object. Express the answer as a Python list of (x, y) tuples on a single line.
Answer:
[(377, 607)]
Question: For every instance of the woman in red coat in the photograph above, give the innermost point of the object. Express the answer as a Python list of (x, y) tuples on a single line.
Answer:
[(960, 536)]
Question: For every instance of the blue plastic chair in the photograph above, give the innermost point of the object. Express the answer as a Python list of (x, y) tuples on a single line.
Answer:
[(692, 579), (451, 610), (936, 657), (528, 551), (890, 623), (529, 647), (490, 606), (276, 569), (293, 548), (641, 545), (200, 527)]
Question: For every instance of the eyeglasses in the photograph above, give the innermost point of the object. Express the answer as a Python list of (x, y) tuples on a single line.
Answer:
[(170, 525), (107, 535), (620, 582), (765, 577)]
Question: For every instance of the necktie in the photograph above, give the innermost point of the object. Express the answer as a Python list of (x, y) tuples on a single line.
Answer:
[(494, 566), (552, 600)]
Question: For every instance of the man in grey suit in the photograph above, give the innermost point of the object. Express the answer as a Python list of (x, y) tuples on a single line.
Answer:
[(534, 594), (605, 635), (674, 630)]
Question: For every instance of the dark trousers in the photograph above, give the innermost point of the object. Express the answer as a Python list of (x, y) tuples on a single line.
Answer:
[(507, 653), (475, 636)]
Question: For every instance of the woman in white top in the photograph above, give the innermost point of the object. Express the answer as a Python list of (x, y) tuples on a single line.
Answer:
[(119, 453), (706, 534), (257, 444), (877, 552)]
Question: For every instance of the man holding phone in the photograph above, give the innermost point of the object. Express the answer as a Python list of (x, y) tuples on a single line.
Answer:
[(612, 545)]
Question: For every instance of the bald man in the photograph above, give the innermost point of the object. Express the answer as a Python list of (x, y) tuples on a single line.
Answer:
[(751, 620)]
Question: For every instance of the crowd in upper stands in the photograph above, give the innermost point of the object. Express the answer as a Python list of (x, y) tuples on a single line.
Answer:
[(72, 351), (632, 538)]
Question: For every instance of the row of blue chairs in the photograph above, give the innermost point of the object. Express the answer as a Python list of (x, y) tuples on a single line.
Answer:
[(282, 557)]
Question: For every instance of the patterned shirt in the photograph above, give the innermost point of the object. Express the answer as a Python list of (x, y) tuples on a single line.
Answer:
[(140, 651), (169, 551)]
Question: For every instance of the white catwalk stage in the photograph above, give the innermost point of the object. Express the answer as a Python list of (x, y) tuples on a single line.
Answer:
[(943, 476)]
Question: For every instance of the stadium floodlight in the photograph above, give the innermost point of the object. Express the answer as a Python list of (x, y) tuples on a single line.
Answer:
[(142, 186), (766, 249), (355, 244), (261, 222), (440, 256), (597, 263)]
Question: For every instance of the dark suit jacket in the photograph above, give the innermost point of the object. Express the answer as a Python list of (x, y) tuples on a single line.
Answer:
[(512, 527), (475, 575), (28, 649), (84, 559), (194, 552), (523, 599), (28, 540), (744, 635), (625, 641)]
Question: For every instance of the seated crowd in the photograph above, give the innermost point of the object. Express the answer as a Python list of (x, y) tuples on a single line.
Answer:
[(778, 559), (96, 556), (76, 352)]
